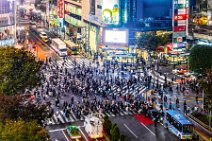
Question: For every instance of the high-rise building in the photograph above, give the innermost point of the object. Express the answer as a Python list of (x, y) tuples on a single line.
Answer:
[(135, 10), (7, 22)]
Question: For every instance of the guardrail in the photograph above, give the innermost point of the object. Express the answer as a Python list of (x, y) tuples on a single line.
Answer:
[(201, 126)]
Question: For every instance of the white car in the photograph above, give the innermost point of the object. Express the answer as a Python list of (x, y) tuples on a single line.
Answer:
[(188, 74)]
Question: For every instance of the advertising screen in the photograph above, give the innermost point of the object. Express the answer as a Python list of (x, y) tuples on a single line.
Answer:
[(115, 37), (110, 11)]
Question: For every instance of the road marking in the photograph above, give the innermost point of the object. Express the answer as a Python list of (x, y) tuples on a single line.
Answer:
[(131, 131), (56, 130), (148, 129), (65, 135), (83, 134)]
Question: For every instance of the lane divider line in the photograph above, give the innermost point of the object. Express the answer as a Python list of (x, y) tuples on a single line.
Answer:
[(131, 131), (65, 135), (83, 134), (148, 129)]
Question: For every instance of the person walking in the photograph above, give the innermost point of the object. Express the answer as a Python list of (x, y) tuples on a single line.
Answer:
[(197, 99), (185, 107), (177, 102)]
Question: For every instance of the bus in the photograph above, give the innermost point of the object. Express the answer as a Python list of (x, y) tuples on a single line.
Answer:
[(73, 49), (93, 126), (59, 46), (178, 124)]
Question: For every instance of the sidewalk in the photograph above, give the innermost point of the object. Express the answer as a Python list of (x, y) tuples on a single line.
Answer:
[(203, 136)]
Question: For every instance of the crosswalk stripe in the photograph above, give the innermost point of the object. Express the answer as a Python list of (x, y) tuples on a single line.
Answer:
[(125, 113), (60, 118), (107, 114), (73, 115), (63, 116), (82, 117), (54, 119), (120, 112)]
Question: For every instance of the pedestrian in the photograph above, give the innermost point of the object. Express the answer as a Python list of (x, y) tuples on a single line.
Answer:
[(156, 119), (185, 106), (177, 102), (197, 99)]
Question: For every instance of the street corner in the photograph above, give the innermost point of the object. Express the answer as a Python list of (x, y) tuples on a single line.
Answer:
[(59, 135)]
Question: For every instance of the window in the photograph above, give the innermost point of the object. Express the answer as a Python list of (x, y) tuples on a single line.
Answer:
[(63, 50), (187, 128), (92, 7), (99, 6), (177, 125)]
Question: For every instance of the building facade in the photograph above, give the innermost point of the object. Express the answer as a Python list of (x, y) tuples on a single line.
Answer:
[(7, 23), (73, 19), (89, 19)]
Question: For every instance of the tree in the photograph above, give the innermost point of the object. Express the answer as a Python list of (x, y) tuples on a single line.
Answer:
[(200, 58), (12, 107), (151, 41), (22, 131), (19, 70), (144, 40), (107, 125), (9, 107), (34, 112), (123, 138), (115, 133), (163, 39), (206, 84)]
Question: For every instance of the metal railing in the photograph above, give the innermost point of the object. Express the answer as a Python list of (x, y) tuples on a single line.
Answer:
[(202, 126)]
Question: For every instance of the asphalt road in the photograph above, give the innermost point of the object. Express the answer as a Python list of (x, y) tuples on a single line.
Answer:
[(137, 131), (58, 132), (128, 125)]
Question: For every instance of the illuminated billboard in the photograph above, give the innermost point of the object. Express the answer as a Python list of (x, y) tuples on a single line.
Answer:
[(110, 11), (180, 20), (202, 20), (115, 37)]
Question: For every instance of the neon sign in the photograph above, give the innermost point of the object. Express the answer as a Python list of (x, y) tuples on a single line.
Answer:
[(60, 8), (180, 17)]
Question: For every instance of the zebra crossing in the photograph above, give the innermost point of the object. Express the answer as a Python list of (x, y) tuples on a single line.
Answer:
[(60, 118), (68, 64), (136, 90)]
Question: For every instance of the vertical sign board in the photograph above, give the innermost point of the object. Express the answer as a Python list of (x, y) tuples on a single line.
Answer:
[(60, 8), (180, 22)]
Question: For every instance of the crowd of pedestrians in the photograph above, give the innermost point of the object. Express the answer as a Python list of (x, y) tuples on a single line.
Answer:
[(111, 89)]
